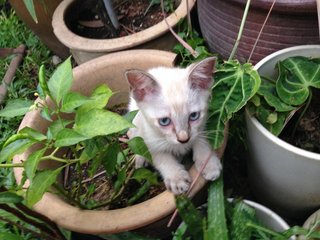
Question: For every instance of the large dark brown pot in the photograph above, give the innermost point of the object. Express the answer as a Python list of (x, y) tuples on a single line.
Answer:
[(43, 29), (291, 23)]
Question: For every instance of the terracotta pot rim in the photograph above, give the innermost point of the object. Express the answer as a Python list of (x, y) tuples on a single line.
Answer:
[(95, 221), (281, 143), (77, 42)]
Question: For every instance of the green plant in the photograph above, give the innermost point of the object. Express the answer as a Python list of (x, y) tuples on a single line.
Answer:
[(225, 219), (278, 99), (87, 146)]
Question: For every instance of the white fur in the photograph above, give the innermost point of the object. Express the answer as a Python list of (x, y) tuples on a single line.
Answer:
[(176, 100)]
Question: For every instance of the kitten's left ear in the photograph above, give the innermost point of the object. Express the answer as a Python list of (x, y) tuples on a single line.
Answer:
[(201, 74)]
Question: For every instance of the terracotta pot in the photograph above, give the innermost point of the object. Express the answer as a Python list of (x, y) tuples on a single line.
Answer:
[(291, 23), (282, 176), (43, 29), (84, 49), (109, 69)]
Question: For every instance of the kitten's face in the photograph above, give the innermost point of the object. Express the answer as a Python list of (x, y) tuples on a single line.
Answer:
[(174, 100)]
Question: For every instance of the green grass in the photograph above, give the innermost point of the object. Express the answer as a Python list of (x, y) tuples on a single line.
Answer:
[(13, 33)]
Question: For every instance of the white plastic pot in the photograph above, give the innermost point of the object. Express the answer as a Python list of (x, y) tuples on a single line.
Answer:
[(284, 177)]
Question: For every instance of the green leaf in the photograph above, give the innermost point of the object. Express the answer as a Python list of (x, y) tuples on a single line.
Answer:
[(32, 162), (45, 113), (217, 223), (31, 9), (143, 174), (121, 177), (42, 82), (142, 190), (110, 157), (90, 150), (56, 126), (191, 217), (72, 101), (9, 197), (99, 98), (138, 146), (99, 122), (40, 184), (16, 107), (61, 80), (242, 214), (68, 137), (269, 92), (14, 148), (235, 85), (296, 76), (32, 133), (10, 236)]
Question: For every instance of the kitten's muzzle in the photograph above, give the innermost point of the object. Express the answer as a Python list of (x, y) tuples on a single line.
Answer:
[(183, 137)]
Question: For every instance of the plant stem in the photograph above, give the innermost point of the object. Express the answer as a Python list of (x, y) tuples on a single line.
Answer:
[(266, 230), (11, 165), (244, 17)]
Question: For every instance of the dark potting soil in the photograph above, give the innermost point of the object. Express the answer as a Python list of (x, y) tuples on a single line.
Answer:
[(307, 133), (91, 20)]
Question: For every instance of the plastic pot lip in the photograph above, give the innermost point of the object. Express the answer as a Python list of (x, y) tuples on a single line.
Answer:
[(282, 144), (76, 42)]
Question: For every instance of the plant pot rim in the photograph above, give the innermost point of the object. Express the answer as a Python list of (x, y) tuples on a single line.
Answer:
[(281, 143), (74, 41), (106, 221)]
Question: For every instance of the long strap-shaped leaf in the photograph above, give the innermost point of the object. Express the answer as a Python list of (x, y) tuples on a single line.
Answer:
[(235, 85)]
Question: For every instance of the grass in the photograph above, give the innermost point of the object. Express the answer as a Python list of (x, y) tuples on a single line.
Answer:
[(13, 33)]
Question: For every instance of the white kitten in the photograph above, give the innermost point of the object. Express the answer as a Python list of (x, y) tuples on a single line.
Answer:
[(172, 104)]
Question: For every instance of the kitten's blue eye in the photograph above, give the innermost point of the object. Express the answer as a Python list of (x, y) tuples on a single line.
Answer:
[(164, 121), (194, 116)]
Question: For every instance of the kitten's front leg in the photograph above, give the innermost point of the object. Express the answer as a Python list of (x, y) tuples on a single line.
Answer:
[(201, 152), (176, 178)]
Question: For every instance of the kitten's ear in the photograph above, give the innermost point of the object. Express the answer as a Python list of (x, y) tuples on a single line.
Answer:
[(141, 84), (201, 74)]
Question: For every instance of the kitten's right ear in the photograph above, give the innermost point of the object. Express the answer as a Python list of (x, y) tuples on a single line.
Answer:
[(141, 84)]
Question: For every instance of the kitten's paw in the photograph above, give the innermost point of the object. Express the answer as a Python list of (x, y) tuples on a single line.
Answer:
[(179, 183), (212, 170), (140, 162)]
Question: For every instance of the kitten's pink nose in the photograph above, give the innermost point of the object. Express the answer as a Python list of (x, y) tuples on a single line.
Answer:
[(183, 137)]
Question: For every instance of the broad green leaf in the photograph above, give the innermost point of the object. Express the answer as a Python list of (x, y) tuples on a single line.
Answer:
[(296, 76), (142, 190), (72, 101), (191, 217), (31, 9), (130, 115), (45, 113), (138, 146), (32, 162), (99, 122), (235, 85), (61, 80), (56, 126), (90, 150), (10, 197), (16, 107), (110, 157), (143, 174), (40, 184), (98, 99), (217, 223), (121, 177), (10, 236), (269, 92), (241, 215), (68, 137), (32, 133), (14, 148)]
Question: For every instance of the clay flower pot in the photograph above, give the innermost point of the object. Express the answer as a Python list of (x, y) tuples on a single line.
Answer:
[(84, 49), (291, 23), (43, 29), (282, 176), (152, 214)]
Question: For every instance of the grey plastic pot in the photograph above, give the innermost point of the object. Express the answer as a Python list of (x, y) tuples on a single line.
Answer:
[(282, 176)]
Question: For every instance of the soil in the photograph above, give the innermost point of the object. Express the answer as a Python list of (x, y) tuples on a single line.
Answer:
[(307, 134), (93, 22)]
